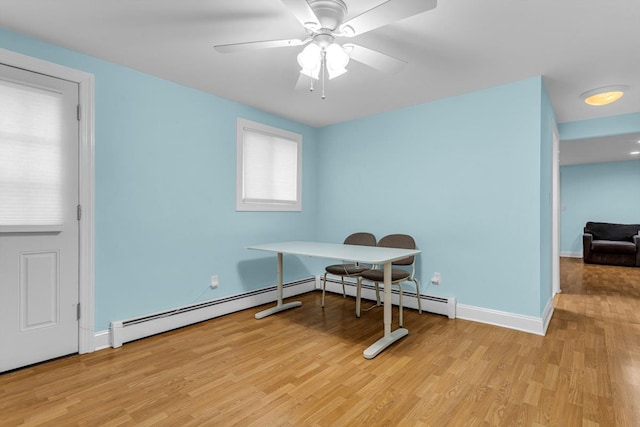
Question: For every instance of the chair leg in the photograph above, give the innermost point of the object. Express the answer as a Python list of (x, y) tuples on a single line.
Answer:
[(418, 295), (344, 291), (358, 296), (377, 293), (324, 287)]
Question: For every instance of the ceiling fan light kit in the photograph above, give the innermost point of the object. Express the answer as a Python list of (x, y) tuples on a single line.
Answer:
[(315, 59), (309, 60), (324, 22), (322, 52), (336, 60)]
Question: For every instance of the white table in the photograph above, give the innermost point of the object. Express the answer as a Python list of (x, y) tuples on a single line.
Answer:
[(353, 253)]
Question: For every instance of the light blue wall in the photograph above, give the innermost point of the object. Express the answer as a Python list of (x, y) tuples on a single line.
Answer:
[(165, 217), (604, 192), (462, 175)]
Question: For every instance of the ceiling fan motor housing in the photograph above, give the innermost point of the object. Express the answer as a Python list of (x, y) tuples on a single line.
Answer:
[(330, 13)]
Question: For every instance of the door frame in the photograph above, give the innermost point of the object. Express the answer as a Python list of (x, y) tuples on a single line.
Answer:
[(555, 212), (86, 165)]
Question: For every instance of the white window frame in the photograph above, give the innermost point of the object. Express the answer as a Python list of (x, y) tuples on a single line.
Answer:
[(243, 126)]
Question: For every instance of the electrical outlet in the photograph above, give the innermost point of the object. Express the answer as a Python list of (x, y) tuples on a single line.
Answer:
[(214, 281), (436, 278)]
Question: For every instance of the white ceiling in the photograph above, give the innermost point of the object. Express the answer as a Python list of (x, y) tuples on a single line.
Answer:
[(458, 47), (598, 150)]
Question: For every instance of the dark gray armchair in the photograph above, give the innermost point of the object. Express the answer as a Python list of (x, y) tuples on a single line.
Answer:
[(612, 244)]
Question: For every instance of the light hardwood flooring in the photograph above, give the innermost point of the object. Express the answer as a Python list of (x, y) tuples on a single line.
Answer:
[(304, 367)]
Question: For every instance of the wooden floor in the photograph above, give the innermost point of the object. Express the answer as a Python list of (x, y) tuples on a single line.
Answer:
[(304, 367)]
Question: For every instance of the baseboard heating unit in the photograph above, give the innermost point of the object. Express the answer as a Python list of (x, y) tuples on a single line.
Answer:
[(445, 306), (123, 331)]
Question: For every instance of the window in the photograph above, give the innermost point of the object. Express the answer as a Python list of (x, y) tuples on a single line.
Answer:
[(31, 143), (269, 168)]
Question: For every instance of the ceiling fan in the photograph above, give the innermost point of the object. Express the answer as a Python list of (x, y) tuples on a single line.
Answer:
[(324, 22)]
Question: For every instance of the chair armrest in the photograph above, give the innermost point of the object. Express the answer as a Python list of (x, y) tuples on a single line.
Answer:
[(587, 239), (636, 240)]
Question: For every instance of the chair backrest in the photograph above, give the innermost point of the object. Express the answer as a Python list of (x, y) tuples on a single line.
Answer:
[(403, 241), (362, 239)]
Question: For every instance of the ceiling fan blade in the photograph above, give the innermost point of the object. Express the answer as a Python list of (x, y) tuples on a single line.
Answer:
[(374, 59), (304, 14), (384, 14), (266, 44)]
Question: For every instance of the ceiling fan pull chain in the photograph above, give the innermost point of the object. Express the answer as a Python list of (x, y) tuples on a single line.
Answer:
[(311, 88)]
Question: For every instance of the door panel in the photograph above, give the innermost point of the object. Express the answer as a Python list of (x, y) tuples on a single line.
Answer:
[(38, 219), (39, 289)]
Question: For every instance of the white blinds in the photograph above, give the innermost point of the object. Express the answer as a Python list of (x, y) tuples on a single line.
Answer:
[(270, 168), (30, 155)]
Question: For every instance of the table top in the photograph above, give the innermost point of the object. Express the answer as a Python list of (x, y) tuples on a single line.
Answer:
[(339, 251)]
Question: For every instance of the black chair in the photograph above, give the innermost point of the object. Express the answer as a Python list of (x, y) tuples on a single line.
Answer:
[(348, 270), (398, 275)]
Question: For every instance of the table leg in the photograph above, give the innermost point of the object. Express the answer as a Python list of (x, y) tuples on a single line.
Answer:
[(279, 305), (389, 337)]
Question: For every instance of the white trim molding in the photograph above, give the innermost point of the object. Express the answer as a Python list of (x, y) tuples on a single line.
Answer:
[(547, 314), (102, 340), (86, 84), (567, 254), (519, 322), (555, 209)]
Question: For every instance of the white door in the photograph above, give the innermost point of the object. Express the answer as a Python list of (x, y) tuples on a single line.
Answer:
[(38, 218)]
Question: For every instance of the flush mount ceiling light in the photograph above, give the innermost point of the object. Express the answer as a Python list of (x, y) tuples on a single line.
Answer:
[(603, 95)]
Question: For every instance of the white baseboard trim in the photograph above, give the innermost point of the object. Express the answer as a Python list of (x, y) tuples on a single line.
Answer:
[(444, 306), (101, 340), (519, 322), (547, 315), (219, 307), (567, 254), (530, 324)]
